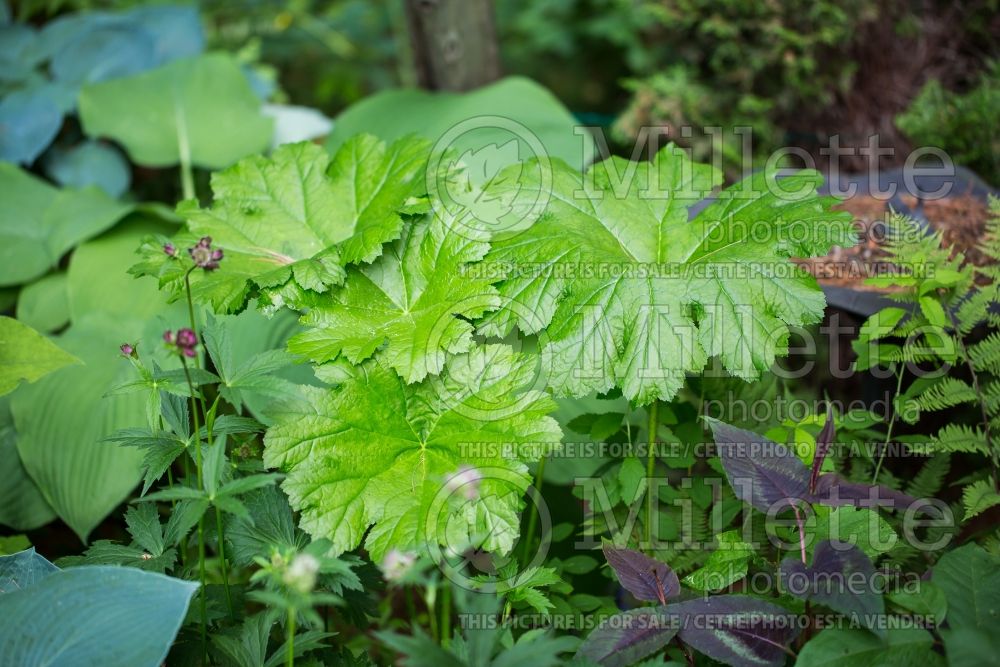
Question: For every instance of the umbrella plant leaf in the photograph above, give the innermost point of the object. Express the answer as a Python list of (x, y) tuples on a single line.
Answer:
[(632, 294), (289, 224), (376, 451), (514, 108), (412, 304)]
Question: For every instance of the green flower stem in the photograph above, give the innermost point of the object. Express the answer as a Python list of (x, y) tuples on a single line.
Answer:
[(223, 564), (529, 535), (209, 425), (201, 520), (290, 643), (446, 615), (654, 409), (892, 422), (429, 596)]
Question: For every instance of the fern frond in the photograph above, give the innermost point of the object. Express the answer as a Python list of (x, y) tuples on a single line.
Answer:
[(946, 393), (986, 353), (979, 497), (928, 482), (959, 438)]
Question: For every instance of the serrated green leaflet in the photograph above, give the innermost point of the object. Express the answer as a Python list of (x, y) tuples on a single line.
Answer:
[(411, 299), (632, 294), (379, 451), (290, 223)]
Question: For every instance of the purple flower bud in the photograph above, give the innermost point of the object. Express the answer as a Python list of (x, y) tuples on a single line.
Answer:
[(188, 351), (169, 249), (168, 337), (186, 338), (204, 256), (128, 350)]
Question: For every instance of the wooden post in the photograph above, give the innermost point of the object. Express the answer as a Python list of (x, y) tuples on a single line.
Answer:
[(454, 43)]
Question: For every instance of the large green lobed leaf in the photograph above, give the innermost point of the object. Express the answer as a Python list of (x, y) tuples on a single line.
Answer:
[(413, 303), (632, 294), (377, 452), (290, 223)]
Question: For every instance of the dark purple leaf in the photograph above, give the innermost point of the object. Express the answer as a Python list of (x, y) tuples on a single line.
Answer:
[(644, 577), (761, 472), (841, 577), (626, 638), (833, 490), (738, 630), (823, 441)]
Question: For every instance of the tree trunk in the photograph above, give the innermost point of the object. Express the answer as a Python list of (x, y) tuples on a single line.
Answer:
[(454, 43)]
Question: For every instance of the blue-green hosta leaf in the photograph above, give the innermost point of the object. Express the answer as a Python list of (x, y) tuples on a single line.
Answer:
[(29, 121), (90, 163), (23, 569), (289, 224), (27, 355), (378, 452), (632, 294), (94, 616), (39, 223), (202, 107), (411, 305)]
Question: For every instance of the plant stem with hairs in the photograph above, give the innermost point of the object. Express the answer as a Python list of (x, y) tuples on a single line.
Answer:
[(650, 469)]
